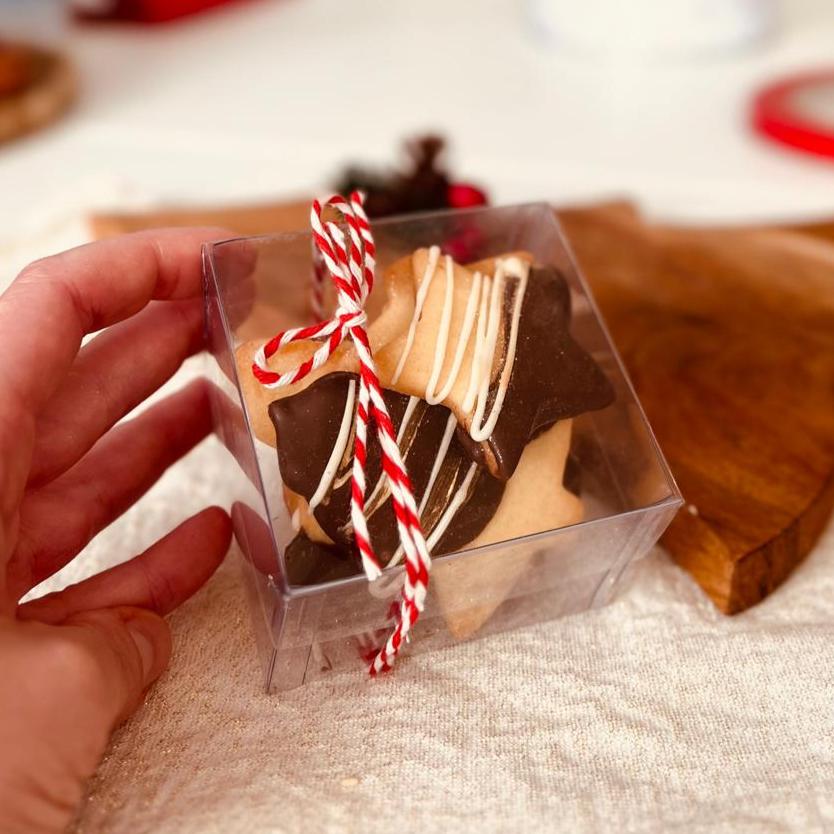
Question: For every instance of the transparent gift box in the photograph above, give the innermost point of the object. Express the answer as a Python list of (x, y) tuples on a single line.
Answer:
[(258, 286)]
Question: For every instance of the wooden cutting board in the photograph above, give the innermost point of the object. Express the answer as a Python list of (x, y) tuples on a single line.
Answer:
[(728, 335), (49, 90)]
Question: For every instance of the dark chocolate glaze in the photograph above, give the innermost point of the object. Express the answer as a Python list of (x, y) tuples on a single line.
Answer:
[(572, 477), (307, 426), (553, 378), (309, 562)]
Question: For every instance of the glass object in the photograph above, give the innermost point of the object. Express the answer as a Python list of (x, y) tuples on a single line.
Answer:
[(650, 28), (258, 286)]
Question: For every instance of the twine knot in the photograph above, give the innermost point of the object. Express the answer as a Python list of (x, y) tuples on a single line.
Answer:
[(351, 262)]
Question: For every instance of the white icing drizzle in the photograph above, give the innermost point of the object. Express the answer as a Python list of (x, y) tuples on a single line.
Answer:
[(481, 431), (338, 450), (347, 460), (454, 505), (448, 514), (442, 450), (372, 502), (343, 479), (409, 413), (422, 292), (489, 315), (442, 334), (486, 355), (480, 338), (463, 340)]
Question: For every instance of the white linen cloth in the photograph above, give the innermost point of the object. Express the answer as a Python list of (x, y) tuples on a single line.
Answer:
[(655, 714)]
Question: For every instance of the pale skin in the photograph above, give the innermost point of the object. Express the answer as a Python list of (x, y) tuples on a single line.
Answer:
[(75, 664)]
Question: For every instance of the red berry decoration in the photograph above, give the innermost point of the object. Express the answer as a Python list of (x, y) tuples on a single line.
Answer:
[(464, 195), (426, 186)]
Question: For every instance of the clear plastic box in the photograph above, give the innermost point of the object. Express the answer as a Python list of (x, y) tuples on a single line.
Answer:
[(258, 286)]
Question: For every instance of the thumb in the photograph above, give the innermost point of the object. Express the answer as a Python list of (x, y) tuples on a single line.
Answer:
[(130, 648)]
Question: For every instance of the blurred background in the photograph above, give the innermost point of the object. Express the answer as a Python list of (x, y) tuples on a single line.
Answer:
[(162, 102)]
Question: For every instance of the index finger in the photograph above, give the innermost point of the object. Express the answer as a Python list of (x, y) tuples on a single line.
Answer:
[(55, 302), (47, 311)]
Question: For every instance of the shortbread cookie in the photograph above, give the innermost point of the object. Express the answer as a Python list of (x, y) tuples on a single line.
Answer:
[(455, 496), (469, 590), (258, 396), (481, 378), (460, 503), (492, 343), (397, 288)]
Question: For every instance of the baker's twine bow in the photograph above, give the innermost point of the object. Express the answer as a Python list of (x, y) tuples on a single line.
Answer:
[(351, 264)]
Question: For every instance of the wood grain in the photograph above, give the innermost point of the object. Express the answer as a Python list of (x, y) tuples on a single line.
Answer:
[(241, 220), (728, 335), (47, 95), (729, 339)]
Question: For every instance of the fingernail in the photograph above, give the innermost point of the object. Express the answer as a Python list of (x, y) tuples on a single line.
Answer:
[(146, 646)]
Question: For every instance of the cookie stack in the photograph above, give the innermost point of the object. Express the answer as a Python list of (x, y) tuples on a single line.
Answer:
[(482, 379)]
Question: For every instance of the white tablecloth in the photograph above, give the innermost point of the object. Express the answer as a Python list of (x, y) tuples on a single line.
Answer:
[(655, 714)]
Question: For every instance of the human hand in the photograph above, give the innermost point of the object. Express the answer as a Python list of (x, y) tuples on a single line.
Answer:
[(76, 663)]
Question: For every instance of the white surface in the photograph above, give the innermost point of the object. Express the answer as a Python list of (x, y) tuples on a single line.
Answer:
[(651, 716), (272, 97)]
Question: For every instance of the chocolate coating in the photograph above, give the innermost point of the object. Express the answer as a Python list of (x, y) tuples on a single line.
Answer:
[(309, 562), (553, 378), (307, 426), (572, 477)]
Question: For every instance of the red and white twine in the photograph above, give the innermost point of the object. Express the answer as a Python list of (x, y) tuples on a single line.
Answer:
[(351, 265)]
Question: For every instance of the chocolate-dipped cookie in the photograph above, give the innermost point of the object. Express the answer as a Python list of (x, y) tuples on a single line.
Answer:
[(455, 496), (552, 379), (492, 342), (481, 378)]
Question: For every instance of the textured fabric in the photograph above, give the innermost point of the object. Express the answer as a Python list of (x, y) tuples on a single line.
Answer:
[(655, 714)]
